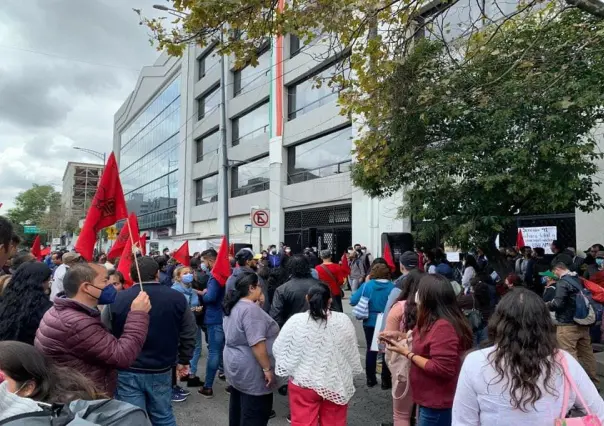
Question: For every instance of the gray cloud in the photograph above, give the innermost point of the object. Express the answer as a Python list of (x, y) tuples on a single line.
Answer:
[(67, 66)]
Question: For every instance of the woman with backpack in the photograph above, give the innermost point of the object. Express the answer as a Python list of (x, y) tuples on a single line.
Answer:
[(523, 378), (476, 306), (317, 351), (402, 317), (439, 340)]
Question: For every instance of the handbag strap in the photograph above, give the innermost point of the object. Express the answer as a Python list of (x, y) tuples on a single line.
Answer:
[(568, 383), (332, 276)]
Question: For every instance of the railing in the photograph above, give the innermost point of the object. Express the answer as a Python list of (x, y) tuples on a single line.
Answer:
[(318, 173), (251, 135), (250, 189)]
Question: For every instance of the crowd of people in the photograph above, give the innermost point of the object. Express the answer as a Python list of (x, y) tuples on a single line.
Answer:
[(457, 345)]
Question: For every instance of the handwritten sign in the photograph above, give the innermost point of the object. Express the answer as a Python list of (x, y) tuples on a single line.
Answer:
[(540, 236)]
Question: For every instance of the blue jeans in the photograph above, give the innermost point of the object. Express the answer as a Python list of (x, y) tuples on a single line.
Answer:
[(480, 336), (434, 416), (196, 352), (151, 392), (216, 346)]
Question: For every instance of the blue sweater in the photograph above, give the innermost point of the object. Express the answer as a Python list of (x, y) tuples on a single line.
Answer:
[(377, 292), (212, 301), (189, 293)]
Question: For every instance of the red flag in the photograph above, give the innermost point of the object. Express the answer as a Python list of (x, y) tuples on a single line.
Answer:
[(123, 237), (519, 239), (45, 251), (182, 254), (127, 257), (35, 248), (108, 206), (222, 268), (344, 264), (143, 241), (387, 253)]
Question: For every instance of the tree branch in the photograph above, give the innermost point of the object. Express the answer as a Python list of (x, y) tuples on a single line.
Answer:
[(594, 7)]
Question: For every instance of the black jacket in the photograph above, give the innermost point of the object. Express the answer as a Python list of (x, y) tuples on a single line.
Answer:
[(172, 328), (564, 304), (290, 299)]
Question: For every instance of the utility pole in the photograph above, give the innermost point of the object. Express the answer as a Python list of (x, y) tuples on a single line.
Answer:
[(223, 136)]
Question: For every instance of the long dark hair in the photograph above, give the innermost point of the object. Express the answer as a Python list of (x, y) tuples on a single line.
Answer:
[(410, 286), (24, 363), (24, 299), (241, 290), (437, 301), (298, 266), (471, 261), (525, 345), (318, 301), (481, 292)]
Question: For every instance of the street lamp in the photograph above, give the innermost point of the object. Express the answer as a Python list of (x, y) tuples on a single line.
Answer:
[(97, 154), (171, 11)]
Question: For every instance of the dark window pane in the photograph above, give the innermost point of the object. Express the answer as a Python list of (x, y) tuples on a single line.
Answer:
[(251, 177), (325, 156), (305, 96), (294, 45), (207, 144), (251, 125), (208, 102)]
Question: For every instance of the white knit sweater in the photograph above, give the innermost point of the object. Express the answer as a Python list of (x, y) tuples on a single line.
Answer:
[(318, 355)]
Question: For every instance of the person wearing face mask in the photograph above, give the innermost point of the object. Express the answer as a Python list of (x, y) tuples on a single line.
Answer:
[(274, 258), (72, 334), (183, 283), (247, 262), (27, 377)]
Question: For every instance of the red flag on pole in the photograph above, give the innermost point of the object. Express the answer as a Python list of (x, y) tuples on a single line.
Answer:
[(519, 239), (35, 248), (127, 256), (182, 254), (222, 268), (45, 251), (122, 238), (144, 244), (107, 207), (387, 253)]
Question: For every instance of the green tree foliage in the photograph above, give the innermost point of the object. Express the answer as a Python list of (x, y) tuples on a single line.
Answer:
[(505, 130), (33, 206)]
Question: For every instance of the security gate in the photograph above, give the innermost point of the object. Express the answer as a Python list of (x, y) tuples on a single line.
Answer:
[(323, 228)]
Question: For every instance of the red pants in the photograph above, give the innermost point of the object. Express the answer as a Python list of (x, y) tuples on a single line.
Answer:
[(307, 408)]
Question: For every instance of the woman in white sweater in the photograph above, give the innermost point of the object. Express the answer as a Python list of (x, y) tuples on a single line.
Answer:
[(520, 380), (318, 351)]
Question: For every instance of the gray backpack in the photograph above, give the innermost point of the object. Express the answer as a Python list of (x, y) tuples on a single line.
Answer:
[(104, 412)]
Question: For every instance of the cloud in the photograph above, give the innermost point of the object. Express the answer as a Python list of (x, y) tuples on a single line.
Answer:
[(67, 66)]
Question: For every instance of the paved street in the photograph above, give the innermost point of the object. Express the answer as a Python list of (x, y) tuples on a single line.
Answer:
[(368, 407)]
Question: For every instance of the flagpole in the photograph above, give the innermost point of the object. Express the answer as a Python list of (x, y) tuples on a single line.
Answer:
[(140, 281)]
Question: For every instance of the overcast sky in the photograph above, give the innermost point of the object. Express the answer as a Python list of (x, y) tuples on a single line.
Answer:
[(66, 66)]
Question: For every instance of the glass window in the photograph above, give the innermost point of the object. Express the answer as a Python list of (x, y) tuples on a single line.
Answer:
[(304, 96), (206, 190), (325, 156), (249, 78), (207, 144), (149, 160), (251, 177), (251, 125), (294, 45), (208, 102), (207, 62)]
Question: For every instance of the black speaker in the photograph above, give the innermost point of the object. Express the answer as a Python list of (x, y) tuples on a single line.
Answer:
[(238, 246), (399, 243)]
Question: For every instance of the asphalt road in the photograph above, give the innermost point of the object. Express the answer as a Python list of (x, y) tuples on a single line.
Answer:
[(368, 407)]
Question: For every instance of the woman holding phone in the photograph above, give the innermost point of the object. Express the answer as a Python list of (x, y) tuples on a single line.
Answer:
[(440, 337)]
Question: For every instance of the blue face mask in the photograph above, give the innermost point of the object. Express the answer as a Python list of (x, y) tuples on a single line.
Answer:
[(544, 280), (600, 261), (187, 278), (204, 267), (108, 295)]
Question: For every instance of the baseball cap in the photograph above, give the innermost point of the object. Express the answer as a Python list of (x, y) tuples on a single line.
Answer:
[(445, 270), (70, 257), (548, 274), (409, 259)]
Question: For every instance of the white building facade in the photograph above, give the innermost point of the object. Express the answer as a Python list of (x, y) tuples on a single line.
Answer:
[(289, 151)]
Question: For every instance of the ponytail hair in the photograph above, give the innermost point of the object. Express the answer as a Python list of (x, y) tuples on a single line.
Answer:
[(318, 301), (241, 290)]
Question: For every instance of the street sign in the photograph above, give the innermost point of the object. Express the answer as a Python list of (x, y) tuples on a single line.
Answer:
[(31, 229), (260, 218), (56, 241)]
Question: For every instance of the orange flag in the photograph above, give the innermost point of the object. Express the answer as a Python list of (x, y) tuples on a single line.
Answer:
[(107, 207)]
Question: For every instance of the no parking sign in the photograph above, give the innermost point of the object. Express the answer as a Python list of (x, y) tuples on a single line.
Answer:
[(260, 218)]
